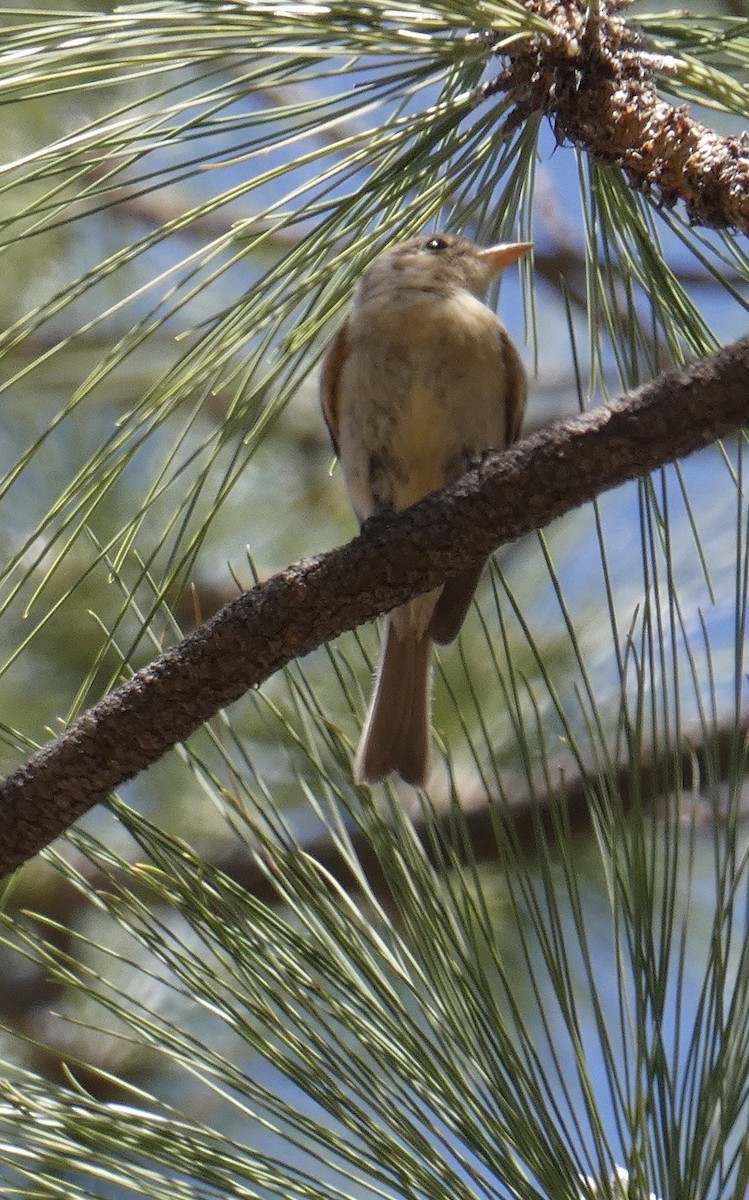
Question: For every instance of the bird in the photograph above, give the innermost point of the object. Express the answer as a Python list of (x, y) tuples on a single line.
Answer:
[(420, 378)]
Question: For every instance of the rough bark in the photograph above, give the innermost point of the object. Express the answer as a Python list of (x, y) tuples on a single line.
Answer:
[(591, 73), (504, 496)]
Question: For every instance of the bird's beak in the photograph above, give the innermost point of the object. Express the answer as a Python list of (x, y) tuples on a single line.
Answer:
[(499, 257)]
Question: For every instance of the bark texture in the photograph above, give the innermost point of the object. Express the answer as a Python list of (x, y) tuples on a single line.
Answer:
[(504, 496), (591, 73)]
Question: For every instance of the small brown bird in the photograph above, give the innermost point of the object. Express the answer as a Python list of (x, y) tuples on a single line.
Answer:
[(421, 377)]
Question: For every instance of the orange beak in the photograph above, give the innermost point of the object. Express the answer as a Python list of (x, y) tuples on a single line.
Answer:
[(499, 257)]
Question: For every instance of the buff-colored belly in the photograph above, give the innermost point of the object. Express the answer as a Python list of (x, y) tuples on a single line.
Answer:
[(421, 392)]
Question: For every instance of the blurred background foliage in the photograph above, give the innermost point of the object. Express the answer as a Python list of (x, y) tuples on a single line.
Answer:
[(187, 193)]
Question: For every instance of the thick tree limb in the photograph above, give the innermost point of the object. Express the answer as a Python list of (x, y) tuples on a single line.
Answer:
[(505, 496)]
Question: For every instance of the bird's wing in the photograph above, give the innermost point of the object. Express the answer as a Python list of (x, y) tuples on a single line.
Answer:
[(453, 604), (455, 599), (516, 389), (329, 376)]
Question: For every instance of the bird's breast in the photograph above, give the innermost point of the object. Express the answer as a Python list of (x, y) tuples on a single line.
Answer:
[(422, 390)]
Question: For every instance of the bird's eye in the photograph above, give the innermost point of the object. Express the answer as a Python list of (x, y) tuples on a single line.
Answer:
[(436, 244)]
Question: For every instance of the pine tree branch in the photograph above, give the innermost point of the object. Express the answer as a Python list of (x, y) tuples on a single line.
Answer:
[(507, 494), (592, 75)]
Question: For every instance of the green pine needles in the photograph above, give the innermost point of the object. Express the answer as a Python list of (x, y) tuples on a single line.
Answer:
[(255, 980)]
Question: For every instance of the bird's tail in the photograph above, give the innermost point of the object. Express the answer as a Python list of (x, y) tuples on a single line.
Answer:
[(396, 732)]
